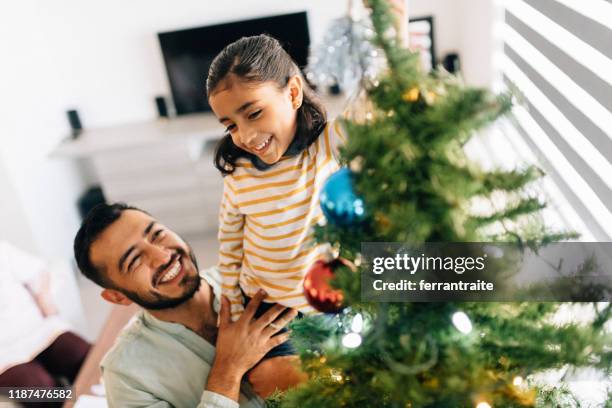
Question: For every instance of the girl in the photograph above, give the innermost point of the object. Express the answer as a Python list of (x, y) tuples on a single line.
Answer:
[(278, 151)]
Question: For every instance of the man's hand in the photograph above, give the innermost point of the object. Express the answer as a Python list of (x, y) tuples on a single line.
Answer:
[(241, 344)]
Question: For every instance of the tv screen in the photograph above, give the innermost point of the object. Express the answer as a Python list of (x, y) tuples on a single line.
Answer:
[(189, 53)]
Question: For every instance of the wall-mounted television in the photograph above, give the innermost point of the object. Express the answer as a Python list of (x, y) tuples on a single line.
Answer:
[(188, 53)]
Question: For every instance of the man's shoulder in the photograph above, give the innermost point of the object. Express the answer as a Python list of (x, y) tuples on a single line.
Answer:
[(213, 277), (137, 347), (134, 368), (130, 345)]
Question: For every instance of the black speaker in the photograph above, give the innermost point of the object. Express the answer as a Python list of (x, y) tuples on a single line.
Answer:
[(75, 123), (451, 63), (162, 106)]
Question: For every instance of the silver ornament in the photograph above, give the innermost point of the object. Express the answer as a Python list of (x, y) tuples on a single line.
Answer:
[(346, 56)]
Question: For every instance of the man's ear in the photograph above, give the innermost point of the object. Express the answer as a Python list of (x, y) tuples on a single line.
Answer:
[(295, 86), (116, 297)]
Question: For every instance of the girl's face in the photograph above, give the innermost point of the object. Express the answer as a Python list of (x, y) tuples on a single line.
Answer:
[(260, 117)]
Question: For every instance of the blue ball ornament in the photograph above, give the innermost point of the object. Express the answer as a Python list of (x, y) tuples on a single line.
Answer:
[(339, 202)]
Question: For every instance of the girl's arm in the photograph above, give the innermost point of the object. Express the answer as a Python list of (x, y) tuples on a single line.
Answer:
[(231, 230)]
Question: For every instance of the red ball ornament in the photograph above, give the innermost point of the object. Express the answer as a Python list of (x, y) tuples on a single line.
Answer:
[(317, 289)]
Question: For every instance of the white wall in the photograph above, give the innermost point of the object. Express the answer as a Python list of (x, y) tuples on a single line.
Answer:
[(446, 22), (463, 26), (33, 99), (103, 58), (110, 53), (477, 42), (14, 226)]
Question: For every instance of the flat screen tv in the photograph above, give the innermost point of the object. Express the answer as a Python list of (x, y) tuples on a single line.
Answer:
[(189, 53)]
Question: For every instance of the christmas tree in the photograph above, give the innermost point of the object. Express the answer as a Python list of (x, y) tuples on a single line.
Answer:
[(407, 163)]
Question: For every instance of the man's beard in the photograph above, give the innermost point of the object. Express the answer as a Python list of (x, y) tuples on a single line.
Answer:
[(157, 301)]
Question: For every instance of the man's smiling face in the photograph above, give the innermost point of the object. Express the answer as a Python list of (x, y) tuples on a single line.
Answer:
[(147, 263)]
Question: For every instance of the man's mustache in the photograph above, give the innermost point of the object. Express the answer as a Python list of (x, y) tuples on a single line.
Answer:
[(178, 253)]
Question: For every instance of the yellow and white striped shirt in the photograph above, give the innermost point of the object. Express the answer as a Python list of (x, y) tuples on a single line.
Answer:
[(266, 223)]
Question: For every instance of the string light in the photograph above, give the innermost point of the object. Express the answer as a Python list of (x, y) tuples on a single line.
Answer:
[(518, 380), (336, 376), (358, 260), (351, 340), (462, 322), (357, 323), (483, 404)]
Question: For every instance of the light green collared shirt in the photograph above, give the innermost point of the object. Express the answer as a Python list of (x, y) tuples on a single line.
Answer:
[(159, 364)]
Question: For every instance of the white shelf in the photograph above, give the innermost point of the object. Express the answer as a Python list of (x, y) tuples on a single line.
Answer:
[(160, 131), (161, 166), (198, 127)]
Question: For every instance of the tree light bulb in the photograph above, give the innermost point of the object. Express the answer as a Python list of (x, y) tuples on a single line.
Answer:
[(351, 340), (483, 404), (336, 376), (357, 323), (462, 322), (518, 380)]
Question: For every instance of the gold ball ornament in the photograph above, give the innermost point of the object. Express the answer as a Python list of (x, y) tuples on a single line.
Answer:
[(432, 383), (382, 220), (411, 95)]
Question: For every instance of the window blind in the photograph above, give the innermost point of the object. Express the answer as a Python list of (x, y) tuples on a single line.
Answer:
[(558, 55)]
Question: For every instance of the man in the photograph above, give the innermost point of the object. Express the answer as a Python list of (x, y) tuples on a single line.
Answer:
[(165, 357)]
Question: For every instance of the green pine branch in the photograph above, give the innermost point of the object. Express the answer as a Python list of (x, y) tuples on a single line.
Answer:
[(418, 185)]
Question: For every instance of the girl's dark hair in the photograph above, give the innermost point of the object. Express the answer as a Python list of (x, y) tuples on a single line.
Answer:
[(255, 59)]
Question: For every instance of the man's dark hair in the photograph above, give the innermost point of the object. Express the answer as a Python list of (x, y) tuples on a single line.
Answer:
[(97, 220)]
